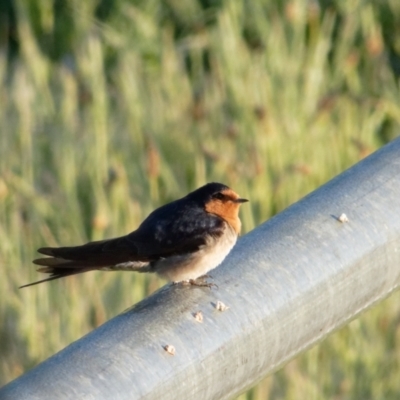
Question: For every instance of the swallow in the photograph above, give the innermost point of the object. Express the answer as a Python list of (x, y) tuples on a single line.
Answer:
[(180, 241)]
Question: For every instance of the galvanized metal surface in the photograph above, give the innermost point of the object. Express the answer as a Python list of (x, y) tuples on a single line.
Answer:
[(288, 284)]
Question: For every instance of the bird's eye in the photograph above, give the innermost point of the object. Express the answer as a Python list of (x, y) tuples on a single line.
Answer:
[(219, 196)]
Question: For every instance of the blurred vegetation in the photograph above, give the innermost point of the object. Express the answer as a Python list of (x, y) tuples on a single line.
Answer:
[(112, 108)]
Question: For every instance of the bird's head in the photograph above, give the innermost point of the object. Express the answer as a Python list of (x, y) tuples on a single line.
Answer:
[(220, 200)]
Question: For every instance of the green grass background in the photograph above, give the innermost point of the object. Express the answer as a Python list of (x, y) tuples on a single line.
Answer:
[(110, 109)]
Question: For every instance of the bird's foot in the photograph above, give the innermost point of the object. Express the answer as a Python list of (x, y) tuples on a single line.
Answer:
[(201, 282), (204, 276)]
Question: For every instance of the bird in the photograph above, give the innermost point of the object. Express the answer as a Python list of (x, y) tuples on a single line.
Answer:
[(181, 241)]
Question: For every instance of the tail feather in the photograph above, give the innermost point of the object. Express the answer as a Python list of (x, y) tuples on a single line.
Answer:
[(102, 251), (57, 273), (48, 251), (60, 268), (58, 263), (66, 261), (51, 261)]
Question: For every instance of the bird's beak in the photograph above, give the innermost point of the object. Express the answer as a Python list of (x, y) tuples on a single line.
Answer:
[(241, 201)]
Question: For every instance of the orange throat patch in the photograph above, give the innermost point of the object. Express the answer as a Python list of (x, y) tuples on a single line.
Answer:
[(227, 209)]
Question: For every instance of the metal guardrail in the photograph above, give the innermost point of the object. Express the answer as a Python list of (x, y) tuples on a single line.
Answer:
[(288, 284)]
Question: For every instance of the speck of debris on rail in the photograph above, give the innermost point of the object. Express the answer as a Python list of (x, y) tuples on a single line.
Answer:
[(198, 316), (169, 349), (220, 306), (343, 218)]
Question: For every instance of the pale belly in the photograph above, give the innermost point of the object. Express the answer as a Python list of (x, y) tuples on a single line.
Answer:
[(191, 266)]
